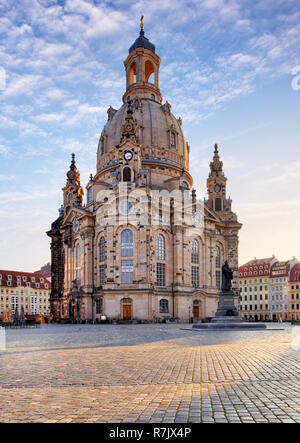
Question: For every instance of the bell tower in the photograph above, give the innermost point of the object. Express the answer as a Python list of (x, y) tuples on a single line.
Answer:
[(73, 192), (142, 70), (216, 185)]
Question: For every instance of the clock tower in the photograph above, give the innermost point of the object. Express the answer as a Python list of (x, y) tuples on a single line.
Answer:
[(216, 185)]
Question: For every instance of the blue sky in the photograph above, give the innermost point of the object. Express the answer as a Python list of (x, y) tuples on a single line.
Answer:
[(226, 70)]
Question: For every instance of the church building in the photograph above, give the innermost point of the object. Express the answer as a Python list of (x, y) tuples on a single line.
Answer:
[(143, 246)]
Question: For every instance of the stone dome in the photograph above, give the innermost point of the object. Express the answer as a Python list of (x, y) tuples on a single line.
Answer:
[(154, 123)]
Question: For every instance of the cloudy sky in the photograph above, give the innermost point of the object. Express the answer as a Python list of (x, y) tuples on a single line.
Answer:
[(228, 69)]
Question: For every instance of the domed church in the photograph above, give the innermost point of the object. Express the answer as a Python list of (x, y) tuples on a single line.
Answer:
[(143, 246)]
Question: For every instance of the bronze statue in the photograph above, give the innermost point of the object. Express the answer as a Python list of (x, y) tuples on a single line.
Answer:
[(227, 276)]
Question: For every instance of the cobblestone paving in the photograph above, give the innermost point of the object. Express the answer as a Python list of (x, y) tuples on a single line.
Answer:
[(149, 373)]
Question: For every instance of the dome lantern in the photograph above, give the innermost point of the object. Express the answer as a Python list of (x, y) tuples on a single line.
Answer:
[(142, 70)]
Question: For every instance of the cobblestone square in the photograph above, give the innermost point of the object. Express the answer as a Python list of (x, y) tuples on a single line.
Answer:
[(162, 373)]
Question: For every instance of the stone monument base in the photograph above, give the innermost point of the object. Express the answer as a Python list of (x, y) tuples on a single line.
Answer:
[(227, 316)]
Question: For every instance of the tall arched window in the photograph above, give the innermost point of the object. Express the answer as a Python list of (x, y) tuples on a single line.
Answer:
[(132, 74), (194, 251), (160, 247), (127, 174), (78, 262), (102, 257), (102, 249), (195, 261), (218, 267), (78, 255), (218, 204), (161, 256), (173, 140), (149, 72), (127, 243)]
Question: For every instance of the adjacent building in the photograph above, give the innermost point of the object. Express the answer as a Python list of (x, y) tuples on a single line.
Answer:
[(294, 291), (269, 289), (23, 292), (279, 291), (142, 246), (254, 288)]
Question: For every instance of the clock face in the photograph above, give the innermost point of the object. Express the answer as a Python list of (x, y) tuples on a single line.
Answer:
[(76, 226), (128, 155), (217, 188)]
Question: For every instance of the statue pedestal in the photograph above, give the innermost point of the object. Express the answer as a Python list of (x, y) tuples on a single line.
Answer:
[(227, 316)]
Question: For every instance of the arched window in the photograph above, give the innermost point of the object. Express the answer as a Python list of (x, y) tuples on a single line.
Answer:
[(78, 262), (194, 251), (218, 257), (160, 247), (102, 249), (149, 72), (164, 306), (78, 255), (218, 204), (132, 74), (127, 174), (218, 267), (173, 140), (195, 261), (127, 243)]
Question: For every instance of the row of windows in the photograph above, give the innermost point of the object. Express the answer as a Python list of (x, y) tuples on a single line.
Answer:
[(245, 308), (127, 265), (163, 305), (245, 297), (173, 145), (255, 288), (127, 248), (23, 278), (9, 283)]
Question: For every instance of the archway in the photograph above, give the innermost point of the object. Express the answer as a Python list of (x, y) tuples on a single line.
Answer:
[(149, 72)]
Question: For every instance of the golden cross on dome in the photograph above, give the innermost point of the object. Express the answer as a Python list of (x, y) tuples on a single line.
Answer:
[(142, 23)]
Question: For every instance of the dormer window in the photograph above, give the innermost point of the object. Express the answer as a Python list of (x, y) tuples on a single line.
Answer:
[(173, 139)]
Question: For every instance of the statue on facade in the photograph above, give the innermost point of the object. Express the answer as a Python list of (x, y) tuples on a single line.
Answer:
[(227, 276)]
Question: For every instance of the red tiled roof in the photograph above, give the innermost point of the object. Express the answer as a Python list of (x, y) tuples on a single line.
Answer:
[(256, 268), (24, 279), (295, 273)]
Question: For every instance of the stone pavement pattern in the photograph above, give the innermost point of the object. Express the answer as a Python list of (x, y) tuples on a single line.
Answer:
[(149, 373)]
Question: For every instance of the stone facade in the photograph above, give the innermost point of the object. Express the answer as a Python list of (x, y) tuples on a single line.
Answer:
[(143, 247)]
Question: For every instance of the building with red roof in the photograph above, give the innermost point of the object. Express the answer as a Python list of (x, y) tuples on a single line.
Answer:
[(279, 293), (254, 288), (23, 291)]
